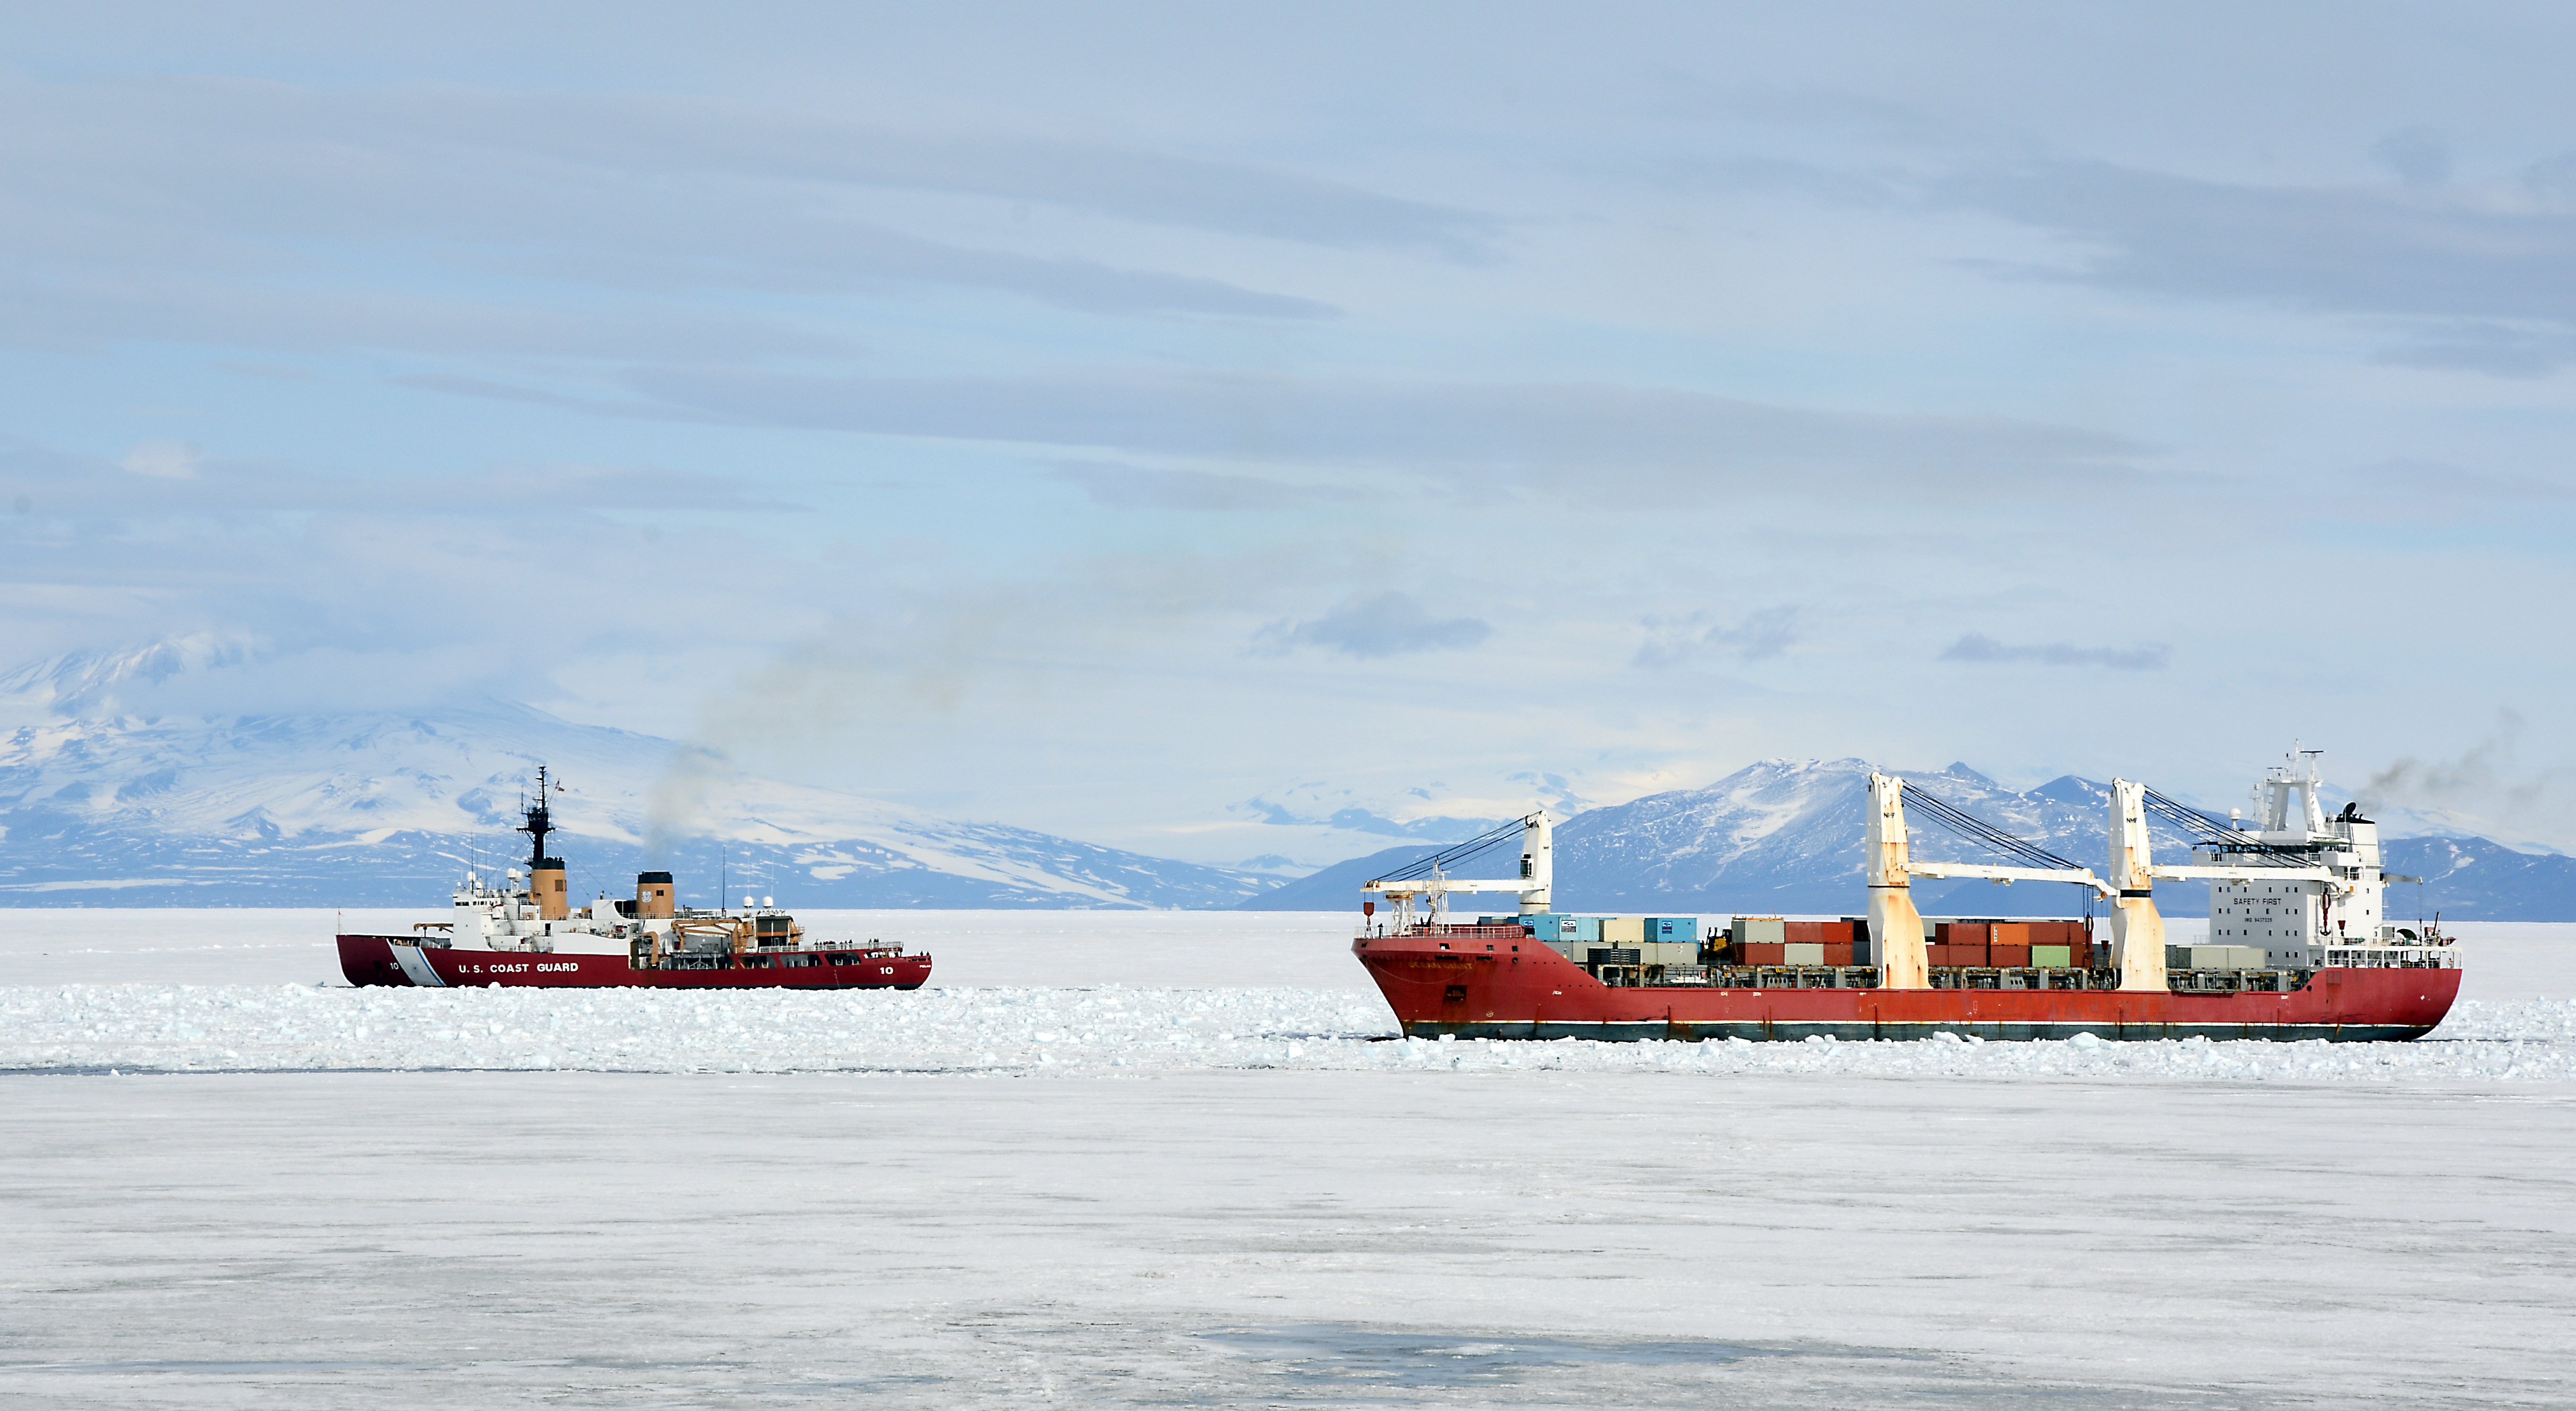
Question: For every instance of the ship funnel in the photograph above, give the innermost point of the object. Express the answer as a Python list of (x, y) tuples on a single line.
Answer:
[(546, 887), (653, 895)]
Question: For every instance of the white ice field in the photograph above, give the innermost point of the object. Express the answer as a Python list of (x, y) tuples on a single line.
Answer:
[(1171, 1159)]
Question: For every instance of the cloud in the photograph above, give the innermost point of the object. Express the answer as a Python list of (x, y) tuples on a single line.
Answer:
[(2354, 249), (2418, 155), (1977, 648), (237, 213), (1374, 625), (658, 136), (1574, 436), (2493, 347), (1760, 636), (228, 672), (190, 484), (2438, 483), (87, 309), (1130, 487), (816, 254), (164, 460)]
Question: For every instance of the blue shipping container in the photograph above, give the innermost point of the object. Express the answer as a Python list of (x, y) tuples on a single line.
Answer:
[(1675, 930)]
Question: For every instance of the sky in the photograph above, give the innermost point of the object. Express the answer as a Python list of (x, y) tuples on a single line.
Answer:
[(1171, 425)]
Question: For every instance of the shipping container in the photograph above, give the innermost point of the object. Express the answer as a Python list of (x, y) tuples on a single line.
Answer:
[(1586, 929), (2002, 957), (2057, 933), (1803, 953), (1758, 930), (2052, 957), (1762, 953), (2009, 933), (2214, 958), (1671, 952), (1672, 929), (1612, 955), (1966, 933), (1622, 930), (1838, 953)]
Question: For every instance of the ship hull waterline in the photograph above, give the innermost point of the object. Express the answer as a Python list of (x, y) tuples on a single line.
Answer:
[(400, 960), (1539, 994)]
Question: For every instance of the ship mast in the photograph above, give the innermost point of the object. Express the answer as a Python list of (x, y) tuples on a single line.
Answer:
[(538, 825)]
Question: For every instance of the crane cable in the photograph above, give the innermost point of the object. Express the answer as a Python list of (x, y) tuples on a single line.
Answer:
[(2218, 836), (1977, 830), (1456, 853)]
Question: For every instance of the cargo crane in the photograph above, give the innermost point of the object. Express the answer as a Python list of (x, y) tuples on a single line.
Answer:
[(1895, 927), (2321, 902), (1429, 877)]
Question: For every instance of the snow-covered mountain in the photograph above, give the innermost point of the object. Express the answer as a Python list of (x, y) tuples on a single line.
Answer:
[(1784, 836), (99, 806)]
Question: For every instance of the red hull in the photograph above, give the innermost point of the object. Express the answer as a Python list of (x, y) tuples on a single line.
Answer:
[(1489, 989), (398, 960)]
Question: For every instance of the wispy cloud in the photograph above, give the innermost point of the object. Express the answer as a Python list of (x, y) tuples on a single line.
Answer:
[(1758, 636), (2433, 482), (248, 214), (1135, 487), (1572, 436), (1374, 625), (2420, 249), (1978, 649), (189, 482)]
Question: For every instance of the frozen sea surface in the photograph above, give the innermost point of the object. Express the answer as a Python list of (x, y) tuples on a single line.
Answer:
[(1176, 1161), (1283, 1238)]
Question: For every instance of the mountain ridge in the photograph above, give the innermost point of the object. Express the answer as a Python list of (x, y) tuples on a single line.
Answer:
[(1784, 836), (392, 807)]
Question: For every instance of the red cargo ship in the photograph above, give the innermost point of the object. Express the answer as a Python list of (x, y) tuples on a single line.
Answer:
[(531, 935), (2299, 948)]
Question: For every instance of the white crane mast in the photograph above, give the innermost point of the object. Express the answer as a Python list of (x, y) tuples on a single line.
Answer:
[(1895, 927)]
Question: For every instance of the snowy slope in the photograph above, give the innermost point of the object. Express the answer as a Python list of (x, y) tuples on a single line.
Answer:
[(1784, 836), (99, 807)]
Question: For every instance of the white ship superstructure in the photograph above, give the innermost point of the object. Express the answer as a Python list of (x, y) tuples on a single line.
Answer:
[(2332, 911), (534, 913)]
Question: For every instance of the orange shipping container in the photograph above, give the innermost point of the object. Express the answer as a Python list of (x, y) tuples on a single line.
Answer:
[(2005, 957)]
